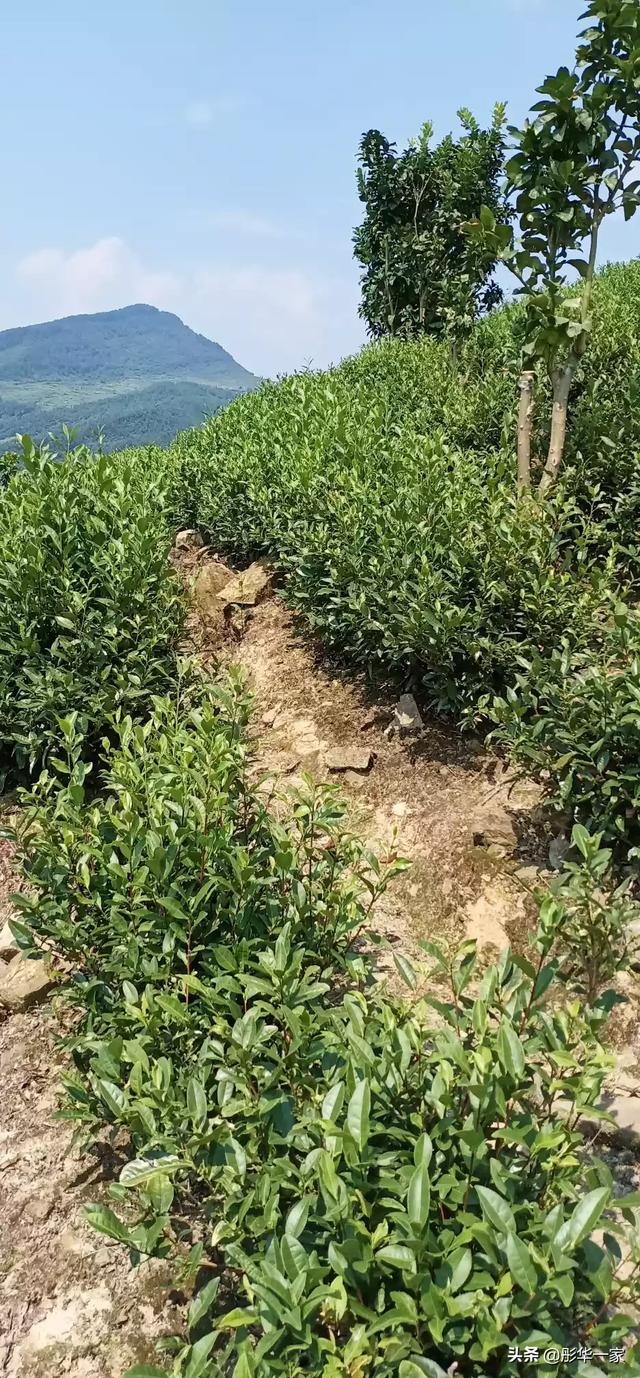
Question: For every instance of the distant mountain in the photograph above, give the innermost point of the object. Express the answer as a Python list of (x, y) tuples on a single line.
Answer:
[(137, 375)]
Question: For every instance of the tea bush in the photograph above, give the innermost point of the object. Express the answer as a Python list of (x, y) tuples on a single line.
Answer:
[(383, 489), (379, 1185), (181, 854), (576, 715), (90, 612), (591, 922), (403, 554)]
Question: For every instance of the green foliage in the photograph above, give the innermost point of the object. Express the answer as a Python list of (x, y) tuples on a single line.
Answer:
[(383, 491), (182, 854), (573, 163), (422, 274), (376, 1183), (576, 715), (589, 919), (9, 464), (402, 552), (89, 610)]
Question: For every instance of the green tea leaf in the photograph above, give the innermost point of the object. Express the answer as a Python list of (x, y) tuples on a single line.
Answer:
[(358, 1113), (496, 1210), (399, 1256), (419, 1196), (520, 1264)]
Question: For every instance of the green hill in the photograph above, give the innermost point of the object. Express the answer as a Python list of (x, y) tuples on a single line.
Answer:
[(136, 375)]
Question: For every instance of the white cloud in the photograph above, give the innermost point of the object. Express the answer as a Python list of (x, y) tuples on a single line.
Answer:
[(203, 112), (107, 274), (273, 319)]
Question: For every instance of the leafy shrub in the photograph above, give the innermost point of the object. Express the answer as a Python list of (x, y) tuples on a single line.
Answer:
[(378, 1183), (576, 715), (590, 921), (181, 854), (384, 491), (89, 609), (402, 553), (9, 464)]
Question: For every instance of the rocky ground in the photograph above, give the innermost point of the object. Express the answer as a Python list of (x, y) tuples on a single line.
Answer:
[(478, 842)]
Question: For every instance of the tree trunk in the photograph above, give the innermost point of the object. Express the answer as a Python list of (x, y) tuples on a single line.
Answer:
[(525, 413), (562, 380)]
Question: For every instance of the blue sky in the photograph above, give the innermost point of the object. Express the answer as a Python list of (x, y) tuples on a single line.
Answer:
[(200, 155)]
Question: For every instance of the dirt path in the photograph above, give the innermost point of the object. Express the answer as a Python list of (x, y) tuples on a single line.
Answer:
[(433, 793), (69, 1302)]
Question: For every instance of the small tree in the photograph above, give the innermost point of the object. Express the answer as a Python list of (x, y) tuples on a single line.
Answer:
[(573, 164), (422, 273)]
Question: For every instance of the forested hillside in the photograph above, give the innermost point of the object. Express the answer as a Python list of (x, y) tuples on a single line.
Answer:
[(136, 376)]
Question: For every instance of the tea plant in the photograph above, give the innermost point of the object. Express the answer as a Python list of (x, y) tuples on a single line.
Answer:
[(382, 489), (90, 612), (374, 1182), (182, 854), (576, 716), (589, 921)]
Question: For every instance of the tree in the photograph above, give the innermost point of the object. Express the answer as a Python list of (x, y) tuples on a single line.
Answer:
[(422, 274), (572, 165)]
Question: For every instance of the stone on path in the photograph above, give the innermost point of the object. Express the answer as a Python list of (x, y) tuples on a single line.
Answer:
[(493, 829), (24, 981), (354, 758), (269, 717), (406, 715), (247, 589), (8, 944), (486, 918), (207, 585), (188, 540)]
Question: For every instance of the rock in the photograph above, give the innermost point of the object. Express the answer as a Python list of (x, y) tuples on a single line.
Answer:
[(74, 1244), (375, 717), (627, 1058), (627, 1085), (529, 876), (485, 920), (8, 944), (559, 847), (207, 585), (39, 1208), (188, 540), (492, 829), (269, 718), (354, 758), (24, 982), (626, 1114), (354, 779), (249, 587), (72, 1320), (406, 715)]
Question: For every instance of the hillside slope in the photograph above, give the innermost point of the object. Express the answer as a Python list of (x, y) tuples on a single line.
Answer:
[(136, 375)]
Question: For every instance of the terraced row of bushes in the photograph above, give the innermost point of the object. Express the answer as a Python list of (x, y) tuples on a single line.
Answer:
[(385, 492), (353, 1184)]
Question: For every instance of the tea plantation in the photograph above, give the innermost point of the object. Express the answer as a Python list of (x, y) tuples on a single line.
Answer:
[(375, 1185)]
